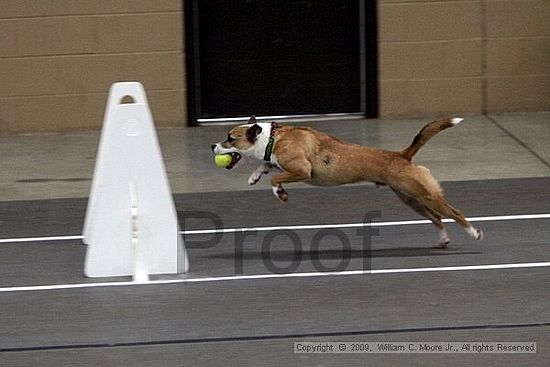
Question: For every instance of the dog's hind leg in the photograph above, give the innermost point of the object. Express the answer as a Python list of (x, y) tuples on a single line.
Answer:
[(440, 205), (421, 185), (435, 218)]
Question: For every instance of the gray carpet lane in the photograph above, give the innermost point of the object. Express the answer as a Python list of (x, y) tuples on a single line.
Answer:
[(346, 204), (274, 308), (279, 352), (60, 262)]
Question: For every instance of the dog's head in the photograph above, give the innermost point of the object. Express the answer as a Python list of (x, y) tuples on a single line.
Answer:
[(241, 141)]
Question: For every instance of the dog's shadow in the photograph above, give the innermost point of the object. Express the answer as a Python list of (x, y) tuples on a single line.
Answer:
[(337, 254)]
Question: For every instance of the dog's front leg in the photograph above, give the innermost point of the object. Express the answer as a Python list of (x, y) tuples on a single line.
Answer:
[(299, 174), (257, 174), (264, 169)]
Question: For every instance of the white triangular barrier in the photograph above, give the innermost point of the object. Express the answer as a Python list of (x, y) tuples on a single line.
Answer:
[(131, 225)]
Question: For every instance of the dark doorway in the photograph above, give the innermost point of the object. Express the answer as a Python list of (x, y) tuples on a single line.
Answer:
[(280, 58)]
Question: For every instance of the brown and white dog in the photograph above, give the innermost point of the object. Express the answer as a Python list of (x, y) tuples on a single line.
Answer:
[(302, 154)]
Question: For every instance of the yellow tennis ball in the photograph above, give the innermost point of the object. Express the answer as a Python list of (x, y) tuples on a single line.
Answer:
[(223, 160)]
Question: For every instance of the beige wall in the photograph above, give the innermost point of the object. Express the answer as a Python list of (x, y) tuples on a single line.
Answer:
[(59, 57), (467, 57)]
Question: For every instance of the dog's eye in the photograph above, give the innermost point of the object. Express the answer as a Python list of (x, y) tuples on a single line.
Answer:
[(230, 139)]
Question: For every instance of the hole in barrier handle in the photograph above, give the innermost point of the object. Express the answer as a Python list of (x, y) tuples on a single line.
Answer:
[(127, 92), (127, 99)]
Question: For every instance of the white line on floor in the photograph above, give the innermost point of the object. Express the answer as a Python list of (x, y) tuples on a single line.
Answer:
[(302, 227), (276, 276), (40, 239), (358, 225)]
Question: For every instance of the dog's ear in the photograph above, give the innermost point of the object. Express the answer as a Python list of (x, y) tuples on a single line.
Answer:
[(253, 132)]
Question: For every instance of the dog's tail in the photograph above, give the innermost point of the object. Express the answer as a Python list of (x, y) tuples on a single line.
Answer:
[(427, 133)]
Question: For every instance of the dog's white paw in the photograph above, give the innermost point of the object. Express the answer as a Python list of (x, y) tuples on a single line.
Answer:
[(443, 243), (254, 178), (479, 236), (475, 233)]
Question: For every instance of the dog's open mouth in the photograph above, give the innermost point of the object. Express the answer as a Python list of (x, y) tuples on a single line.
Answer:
[(235, 158)]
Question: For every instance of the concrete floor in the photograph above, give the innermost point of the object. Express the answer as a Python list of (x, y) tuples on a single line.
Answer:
[(481, 147)]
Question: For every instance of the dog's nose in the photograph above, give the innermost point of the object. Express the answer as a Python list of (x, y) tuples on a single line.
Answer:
[(213, 146)]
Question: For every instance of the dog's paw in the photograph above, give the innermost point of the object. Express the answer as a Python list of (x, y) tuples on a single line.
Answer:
[(443, 243), (254, 178), (475, 233), (280, 193), (479, 236)]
